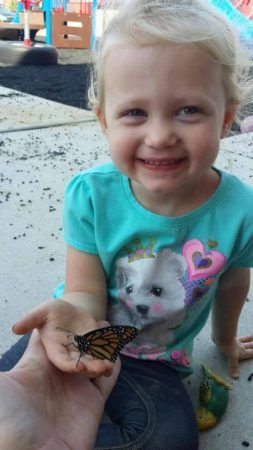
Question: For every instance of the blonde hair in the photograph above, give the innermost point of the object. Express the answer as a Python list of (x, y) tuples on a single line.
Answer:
[(193, 22)]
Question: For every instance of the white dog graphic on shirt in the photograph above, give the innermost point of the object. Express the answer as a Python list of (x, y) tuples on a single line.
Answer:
[(151, 296)]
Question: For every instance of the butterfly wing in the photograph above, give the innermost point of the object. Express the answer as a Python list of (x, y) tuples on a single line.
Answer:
[(106, 343)]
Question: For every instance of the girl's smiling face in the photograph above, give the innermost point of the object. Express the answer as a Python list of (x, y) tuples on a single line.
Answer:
[(164, 114)]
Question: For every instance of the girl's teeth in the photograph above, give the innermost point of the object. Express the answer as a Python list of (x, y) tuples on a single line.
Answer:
[(159, 163)]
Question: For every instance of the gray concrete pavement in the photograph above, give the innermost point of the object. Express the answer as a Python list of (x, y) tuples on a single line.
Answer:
[(35, 165), (22, 111)]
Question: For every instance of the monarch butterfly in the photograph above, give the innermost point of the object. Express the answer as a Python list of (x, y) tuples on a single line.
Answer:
[(103, 343)]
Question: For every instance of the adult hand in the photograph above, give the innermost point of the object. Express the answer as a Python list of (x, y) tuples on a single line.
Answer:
[(50, 318), (44, 408), (241, 348)]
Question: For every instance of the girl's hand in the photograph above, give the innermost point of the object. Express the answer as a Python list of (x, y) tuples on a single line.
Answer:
[(42, 407), (55, 314), (239, 349)]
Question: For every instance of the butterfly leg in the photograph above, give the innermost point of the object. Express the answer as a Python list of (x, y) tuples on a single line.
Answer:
[(80, 355), (76, 346)]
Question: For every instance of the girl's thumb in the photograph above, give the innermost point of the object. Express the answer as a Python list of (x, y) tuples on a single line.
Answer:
[(34, 319)]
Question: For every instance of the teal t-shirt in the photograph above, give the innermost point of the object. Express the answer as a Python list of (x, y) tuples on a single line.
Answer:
[(162, 272)]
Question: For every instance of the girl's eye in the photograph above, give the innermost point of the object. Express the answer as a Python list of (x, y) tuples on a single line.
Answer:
[(135, 113), (188, 110)]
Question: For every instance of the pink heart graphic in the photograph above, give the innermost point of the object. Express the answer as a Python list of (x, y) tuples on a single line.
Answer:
[(199, 263)]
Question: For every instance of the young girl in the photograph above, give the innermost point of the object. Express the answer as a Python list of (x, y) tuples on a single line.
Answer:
[(159, 236)]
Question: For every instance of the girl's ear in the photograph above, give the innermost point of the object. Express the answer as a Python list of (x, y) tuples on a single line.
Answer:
[(101, 117), (228, 119)]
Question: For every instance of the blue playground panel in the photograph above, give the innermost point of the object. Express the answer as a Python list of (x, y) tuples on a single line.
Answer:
[(244, 25), (93, 20)]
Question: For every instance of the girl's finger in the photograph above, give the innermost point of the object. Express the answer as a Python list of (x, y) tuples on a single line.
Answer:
[(248, 345), (245, 339), (31, 320), (247, 354), (233, 367), (70, 361)]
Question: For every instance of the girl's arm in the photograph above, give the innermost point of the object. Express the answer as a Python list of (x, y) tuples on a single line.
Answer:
[(230, 297), (85, 283)]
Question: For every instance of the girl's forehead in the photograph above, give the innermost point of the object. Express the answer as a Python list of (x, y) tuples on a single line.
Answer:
[(170, 70), (170, 57), (126, 50)]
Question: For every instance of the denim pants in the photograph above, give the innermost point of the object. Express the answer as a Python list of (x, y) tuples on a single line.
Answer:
[(149, 407)]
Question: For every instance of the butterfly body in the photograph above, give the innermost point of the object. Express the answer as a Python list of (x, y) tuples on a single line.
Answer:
[(104, 343)]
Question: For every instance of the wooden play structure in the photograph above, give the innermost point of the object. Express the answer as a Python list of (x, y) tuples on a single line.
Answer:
[(71, 30), (70, 23)]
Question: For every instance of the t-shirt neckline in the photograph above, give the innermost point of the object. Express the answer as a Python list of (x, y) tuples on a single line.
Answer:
[(201, 210)]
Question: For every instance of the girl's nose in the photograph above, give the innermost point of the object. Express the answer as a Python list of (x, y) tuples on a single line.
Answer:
[(161, 135)]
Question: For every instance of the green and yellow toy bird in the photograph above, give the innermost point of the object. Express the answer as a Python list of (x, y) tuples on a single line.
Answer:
[(213, 399)]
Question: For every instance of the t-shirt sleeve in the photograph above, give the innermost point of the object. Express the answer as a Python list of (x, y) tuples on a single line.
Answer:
[(243, 248), (78, 215), (245, 256)]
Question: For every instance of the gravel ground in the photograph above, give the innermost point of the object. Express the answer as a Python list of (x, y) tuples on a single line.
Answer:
[(65, 82)]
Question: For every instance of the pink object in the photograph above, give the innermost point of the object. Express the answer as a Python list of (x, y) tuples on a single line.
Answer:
[(201, 264), (156, 308), (247, 125), (245, 7)]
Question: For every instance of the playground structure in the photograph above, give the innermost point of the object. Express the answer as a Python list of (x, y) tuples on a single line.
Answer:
[(244, 7), (26, 16), (240, 12), (67, 24), (77, 23)]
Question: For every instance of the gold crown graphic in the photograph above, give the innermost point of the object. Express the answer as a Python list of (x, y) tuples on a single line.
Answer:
[(137, 251)]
